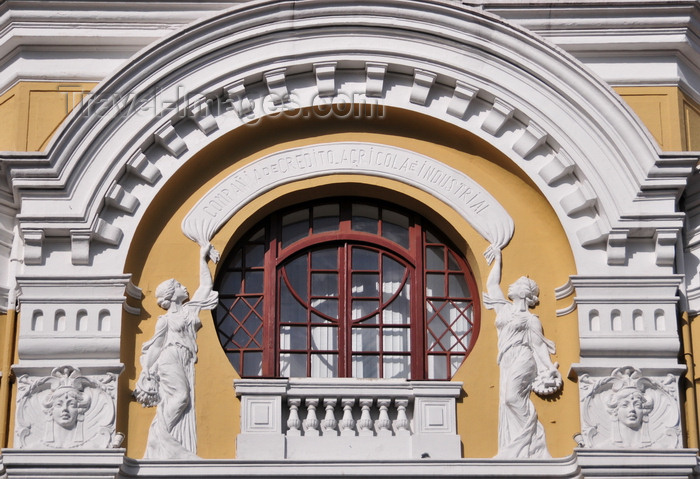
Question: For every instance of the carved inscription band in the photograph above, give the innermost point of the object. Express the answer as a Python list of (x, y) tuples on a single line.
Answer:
[(464, 195)]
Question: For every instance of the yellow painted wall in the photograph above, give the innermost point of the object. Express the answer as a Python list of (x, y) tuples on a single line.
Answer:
[(33, 111), (671, 116), (161, 251)]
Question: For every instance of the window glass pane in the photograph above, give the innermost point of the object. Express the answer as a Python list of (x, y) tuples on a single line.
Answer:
[(293, 337), (437, 340), (253, 282), (365, 259), (397, 367), (395, 227), (458, 286), (365, 339), (231, 282), (365, 366), (326, 258), (363, 307), (324, 284), (290, 309), (235, 359), (293, 365), (329, 307), (252, 363), (243, 337), (226, 325), (296, 273), (326, 218), (392, 276), (455, 362), (452, 262), (324, 339), (295, 226), (398, 312), (437, 367), (324, 365), (237, 261), (435, 284), (258, 235), (396, 339), (431, 238), (241, 309), (365, 218), (254, 255), (365, 284), (315, 318), (434, 257)]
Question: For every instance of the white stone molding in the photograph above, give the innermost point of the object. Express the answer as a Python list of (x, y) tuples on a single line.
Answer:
[(691, 246), (75, 320), (63, 463), (615, 41), (563, 468), (476, 205), (617, 464), (373, 420), (66, 410), (627, 317), (564, 291), (642, 44), (628, 410), (581, 146)]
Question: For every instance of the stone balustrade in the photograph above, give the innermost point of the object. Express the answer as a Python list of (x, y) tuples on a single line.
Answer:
[(348, 419)]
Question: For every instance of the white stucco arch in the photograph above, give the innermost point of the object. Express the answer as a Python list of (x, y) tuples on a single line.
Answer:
[(570, 134)]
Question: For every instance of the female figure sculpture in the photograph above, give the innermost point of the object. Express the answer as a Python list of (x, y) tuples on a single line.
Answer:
[(167, 379), (525, 364)]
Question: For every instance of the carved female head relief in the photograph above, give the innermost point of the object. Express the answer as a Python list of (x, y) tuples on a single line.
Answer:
[(65, 404)]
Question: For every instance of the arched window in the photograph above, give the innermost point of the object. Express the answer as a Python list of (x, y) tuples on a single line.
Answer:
[(346, 288)]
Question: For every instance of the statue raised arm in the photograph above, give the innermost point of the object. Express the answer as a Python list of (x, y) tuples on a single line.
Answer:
[(167, 361), (525, 364)]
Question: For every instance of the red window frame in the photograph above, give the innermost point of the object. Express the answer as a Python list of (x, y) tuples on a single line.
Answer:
[(260, 327)]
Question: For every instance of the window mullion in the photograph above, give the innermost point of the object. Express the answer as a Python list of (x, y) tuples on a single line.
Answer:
[(418, 343), (271, 307), (344, 313)]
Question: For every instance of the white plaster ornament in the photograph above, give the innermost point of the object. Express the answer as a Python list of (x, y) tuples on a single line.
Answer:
[(628, 410), (66, 410), (167, 361), (525, 364), (473, 202)]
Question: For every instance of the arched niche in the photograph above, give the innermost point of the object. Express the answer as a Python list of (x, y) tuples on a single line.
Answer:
[(160, 251)]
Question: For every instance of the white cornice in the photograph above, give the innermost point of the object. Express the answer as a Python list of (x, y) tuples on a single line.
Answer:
[(644, 43), (68, 41), (626, 43)]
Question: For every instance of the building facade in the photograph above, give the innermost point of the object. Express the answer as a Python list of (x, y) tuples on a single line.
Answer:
[(324, 238)]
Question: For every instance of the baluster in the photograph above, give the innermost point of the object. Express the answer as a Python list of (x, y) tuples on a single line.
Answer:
[(383, 422), (311, 422), (329, 423), (347, 424), (401, 424), (364, 425), (294, 423)]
